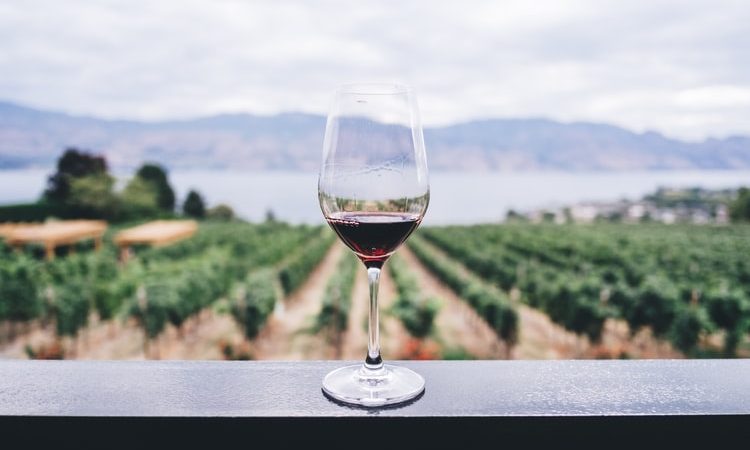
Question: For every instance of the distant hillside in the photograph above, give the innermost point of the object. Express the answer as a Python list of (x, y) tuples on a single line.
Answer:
[(292, 141)]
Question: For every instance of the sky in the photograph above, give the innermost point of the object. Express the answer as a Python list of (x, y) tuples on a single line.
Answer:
[(678, 67)]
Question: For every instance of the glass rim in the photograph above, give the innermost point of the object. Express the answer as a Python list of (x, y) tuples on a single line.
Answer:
[(374, 88)]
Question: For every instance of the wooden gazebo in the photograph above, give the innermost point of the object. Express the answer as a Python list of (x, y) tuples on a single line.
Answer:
[(53, 234), (157, 233)]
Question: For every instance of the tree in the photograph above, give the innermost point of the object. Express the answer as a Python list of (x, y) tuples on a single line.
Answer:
[(72, 164), (221, 212), (739, 209), (92, 196), (194, 205), (155, 174), (514, 216), (139, 199)]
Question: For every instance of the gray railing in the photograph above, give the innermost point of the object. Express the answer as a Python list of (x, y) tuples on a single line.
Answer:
[(548, 400)]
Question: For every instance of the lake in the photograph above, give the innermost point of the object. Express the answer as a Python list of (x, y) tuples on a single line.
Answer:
[(456, 198)]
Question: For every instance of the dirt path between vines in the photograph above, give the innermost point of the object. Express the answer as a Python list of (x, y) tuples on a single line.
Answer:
[(285, 336)]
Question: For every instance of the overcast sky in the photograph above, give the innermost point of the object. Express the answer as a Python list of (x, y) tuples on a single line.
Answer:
[(682, 67)]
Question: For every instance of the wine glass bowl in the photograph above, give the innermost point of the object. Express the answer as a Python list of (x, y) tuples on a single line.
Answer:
[(373, 191)]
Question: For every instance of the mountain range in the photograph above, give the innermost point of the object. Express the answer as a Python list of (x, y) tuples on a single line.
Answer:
[(32, 138)]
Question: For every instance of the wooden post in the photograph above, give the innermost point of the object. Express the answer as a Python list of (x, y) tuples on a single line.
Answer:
[(49, 251), (98, 243), (124, 253)]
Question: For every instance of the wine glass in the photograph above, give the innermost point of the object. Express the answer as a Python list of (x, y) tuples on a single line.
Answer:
[(373, 191)]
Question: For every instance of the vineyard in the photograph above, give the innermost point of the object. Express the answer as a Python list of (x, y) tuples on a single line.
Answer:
[(162, 286), (685, 284), (276, 291)]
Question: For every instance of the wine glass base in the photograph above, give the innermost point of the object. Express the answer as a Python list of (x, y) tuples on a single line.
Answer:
[(357, 385)]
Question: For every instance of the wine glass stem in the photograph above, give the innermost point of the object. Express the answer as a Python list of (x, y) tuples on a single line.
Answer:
[(373, 360)]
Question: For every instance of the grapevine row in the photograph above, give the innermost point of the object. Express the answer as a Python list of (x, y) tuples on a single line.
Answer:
[(683, 283), (415, 311), (491, 304), (333, 317), (163, 285)]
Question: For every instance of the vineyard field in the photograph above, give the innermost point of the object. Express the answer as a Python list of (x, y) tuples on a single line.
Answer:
[(277, 291), (687, 285)]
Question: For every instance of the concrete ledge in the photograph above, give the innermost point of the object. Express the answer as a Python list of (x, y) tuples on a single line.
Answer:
[(535, 401)]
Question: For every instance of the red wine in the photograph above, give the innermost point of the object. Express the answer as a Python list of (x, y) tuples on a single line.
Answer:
[(373, 236)]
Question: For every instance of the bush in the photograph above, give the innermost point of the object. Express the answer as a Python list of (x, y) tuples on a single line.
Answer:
[(20, 298), (687, 327), (139, 199), (739, 210), (194, 205), (730, 310), (32, 212), (254, 301), (71, 308), (156, 175), (151, 307), (656, 305), (220, 213), (337, 299)]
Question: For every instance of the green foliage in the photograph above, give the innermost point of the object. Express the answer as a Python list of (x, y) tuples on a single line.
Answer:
[(297, 269), (31, 212), (254, 300), (20, 299), (104, 279), (71, 307), (160, 286), (139, 199), (681, 281), (82, 188), (415, 311), (730, 310), (739, 209), (220, 212), (337, 299), (580, 275), (156, 175), (491, 304), (656, 305), (72, 164), (194, 205), (687, 327), (456, 354), (182, 279), (151, 307), (576, 304), (93, 196)]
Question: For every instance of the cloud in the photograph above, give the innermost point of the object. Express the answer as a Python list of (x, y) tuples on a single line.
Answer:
[(682, 68)]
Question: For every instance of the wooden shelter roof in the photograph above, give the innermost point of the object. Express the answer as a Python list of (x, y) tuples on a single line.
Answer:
[(157, 233)]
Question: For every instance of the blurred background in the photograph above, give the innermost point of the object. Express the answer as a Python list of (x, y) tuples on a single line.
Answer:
[(158, 180)]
